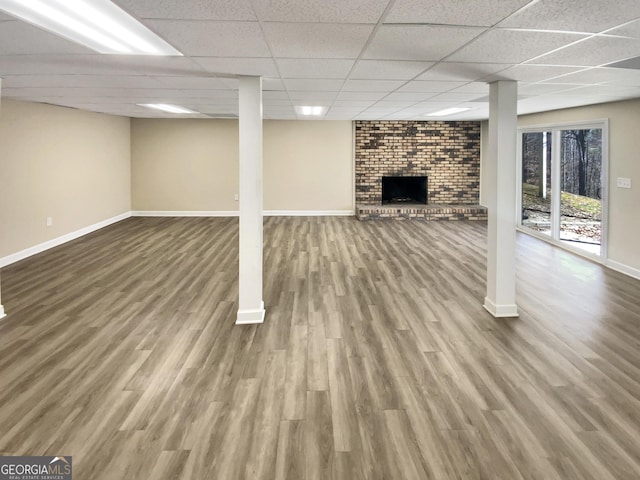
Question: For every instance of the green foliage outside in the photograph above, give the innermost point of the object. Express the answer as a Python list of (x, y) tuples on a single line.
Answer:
[(572, 205)]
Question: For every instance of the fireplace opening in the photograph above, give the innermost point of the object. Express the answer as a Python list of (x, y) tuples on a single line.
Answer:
[(404, 190)]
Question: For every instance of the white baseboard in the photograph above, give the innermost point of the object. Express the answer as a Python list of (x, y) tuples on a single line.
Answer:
[(500, 311), (622, 268), (185, 213), (248, 317), (2, 314), (28, 252), (235, 213), (309, 213)]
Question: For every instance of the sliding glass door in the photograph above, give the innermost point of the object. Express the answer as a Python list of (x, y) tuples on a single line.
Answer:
[(563, 190), (536, 181)]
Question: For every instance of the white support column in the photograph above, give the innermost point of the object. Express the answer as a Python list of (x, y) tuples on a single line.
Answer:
[(2, 314), (251, 306), (501, 185)]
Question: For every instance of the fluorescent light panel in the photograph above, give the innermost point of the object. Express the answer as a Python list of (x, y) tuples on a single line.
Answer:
[(308, 110), (448, 111), (97, 24), (165, 107)]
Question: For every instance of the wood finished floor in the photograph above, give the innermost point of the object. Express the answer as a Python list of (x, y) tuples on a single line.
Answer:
[(376, 361)]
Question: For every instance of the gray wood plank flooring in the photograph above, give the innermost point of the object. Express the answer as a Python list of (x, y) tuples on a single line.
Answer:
[(376, 361)]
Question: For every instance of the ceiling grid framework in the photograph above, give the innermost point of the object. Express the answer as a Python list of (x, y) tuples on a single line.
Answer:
[(363, 59)]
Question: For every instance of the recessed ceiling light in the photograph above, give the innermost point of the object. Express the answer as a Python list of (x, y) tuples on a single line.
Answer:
[(165, 107), (448, 111), (310, 111), (97, 24)]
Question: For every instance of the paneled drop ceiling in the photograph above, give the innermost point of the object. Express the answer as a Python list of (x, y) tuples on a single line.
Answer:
[(361, 59)]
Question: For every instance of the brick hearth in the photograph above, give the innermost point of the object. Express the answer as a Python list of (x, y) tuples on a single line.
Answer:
[(448, 153), (425, 212)]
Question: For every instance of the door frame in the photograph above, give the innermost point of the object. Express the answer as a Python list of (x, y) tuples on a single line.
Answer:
[(555, 129)]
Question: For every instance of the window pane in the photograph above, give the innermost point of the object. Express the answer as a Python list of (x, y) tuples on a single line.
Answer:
[(536, 181), (581, 189)]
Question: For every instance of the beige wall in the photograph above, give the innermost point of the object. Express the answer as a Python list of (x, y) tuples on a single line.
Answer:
[(624, 161), (192, 165), (71, 165), (184, 164), (308, 165)]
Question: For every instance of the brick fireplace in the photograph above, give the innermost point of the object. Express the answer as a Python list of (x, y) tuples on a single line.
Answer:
[(447, 153)]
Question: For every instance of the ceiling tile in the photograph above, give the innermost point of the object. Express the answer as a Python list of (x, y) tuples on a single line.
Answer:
[(393, 116), (394, 103), (455, 97), (58, 99), (314, 68), (310, 85), (543, 88), (308, 40), (574, 15), (338, 116), (430, 87), (473, 87), (533, 73), (201, 83), (604, 90), (512, 46), (312, 98), (418, 42), (372, 96), (381, 111), (240, 66), (206, 104), (409, 96), (277, 110), (212, 39), (372, 85), (372, 116), (189, 9), (446, 12), (552, 102), (277, 103), (212, 108), (388, 70), (610, 76), (272, 84), (431, 106), (631, 29), (119, 93), (327, 11), (322, 59), (462, 71), (353, 103), (20, 38), (192, 93), (96, 64), (346, 110), (73, 81), (275, 95), (152, 65), (593, 52), (109, 109)]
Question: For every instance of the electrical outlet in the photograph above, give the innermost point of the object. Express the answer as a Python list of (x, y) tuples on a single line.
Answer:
[(236, 197), (623, 182), (49, 221)]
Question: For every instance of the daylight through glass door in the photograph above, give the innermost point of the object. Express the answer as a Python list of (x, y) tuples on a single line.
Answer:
[(562, 194), (580, 184)]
